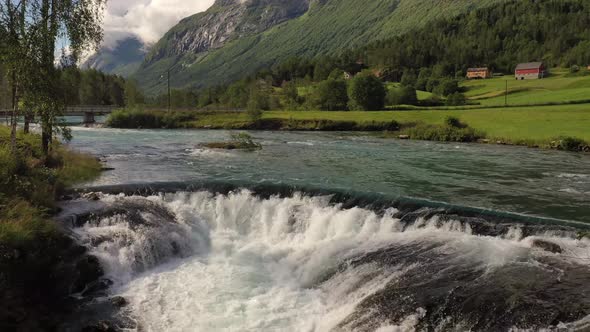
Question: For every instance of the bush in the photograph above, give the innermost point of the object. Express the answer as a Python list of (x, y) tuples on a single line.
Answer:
[(456, 99), (238, 141), (571, 144), (452, 121), (406, 95), (330, 95), (574, 69), (141, 119), (366, 92), (446, 87), (409, 78), (445, 133)]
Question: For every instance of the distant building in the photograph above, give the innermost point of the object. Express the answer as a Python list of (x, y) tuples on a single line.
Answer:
[(483, 72), (348, 75), (588, 67), (530, 71)]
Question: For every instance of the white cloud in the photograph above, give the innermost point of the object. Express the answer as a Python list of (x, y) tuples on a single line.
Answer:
[(149, 20)]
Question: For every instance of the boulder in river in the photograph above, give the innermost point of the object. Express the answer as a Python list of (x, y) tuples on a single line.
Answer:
[(547, 246)]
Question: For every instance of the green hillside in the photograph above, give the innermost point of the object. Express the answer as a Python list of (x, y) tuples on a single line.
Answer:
[(328, 27)]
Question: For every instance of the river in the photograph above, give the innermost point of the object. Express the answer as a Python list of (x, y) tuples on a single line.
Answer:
[(338, 232)]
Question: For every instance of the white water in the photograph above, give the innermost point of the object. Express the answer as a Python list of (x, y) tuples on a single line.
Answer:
[(262, 265)]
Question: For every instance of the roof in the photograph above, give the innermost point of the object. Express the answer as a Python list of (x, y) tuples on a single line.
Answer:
[(477, 69), (529, 65)]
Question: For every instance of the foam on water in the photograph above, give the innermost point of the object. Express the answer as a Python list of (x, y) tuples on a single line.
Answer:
[(282, 264)]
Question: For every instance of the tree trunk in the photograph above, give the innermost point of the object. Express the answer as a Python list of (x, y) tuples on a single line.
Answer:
[(26, 126), (14, 117), (45, 134)]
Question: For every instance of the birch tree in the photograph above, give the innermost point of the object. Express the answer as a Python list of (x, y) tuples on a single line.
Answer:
[(33, 28), (79, 23), (15, 50)]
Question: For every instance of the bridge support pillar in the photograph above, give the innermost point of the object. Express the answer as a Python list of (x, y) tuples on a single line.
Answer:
[(89, 118)]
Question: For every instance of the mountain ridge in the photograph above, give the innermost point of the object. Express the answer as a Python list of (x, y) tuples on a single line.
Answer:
[(325, 27), (123, 59)]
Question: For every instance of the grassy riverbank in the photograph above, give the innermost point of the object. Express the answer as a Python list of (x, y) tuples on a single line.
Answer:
[(542, 126), (34, 252)]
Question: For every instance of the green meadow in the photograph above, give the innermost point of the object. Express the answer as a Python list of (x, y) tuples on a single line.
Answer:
[(532, 124), (538, 111), (559, 87)]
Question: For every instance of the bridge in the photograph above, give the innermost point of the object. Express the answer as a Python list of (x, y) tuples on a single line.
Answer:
[(87, 111)]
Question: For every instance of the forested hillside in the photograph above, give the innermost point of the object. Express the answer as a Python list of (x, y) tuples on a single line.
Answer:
[(554, 31), (328, 27)]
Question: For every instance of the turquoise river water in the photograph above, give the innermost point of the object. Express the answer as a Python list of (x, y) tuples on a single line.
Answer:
[(336, 232)]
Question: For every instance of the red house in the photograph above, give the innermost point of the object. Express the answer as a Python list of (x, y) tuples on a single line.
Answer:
[(530, 71)]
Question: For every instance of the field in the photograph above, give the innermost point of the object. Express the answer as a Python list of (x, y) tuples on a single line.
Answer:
[(515, 124), (557, 88)]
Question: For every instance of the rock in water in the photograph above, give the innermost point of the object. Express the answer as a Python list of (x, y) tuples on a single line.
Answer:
[(548, 246)]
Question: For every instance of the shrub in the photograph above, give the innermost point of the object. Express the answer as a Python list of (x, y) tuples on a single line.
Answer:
[(571, 144), (138, 119), (446, 87), (406, 95), (366, 92), (456, 99), (445, 133), (409, 78), (574, 69), (238, 141), (331, 95), (452, 121)]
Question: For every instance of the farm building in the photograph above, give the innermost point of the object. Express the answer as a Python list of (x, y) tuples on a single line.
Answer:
[(483, 72), (530, 71)]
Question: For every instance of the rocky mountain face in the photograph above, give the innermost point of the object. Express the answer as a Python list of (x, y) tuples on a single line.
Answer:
[(225, 21), (123, 59)]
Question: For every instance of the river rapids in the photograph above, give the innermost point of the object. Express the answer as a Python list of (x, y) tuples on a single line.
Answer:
[(241, 261)]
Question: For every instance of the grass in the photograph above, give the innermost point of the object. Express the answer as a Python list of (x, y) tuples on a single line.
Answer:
[(36, 256), (560, 87), (531, 125), (541, 126), (422, 95), (30, 182), (540, 123)]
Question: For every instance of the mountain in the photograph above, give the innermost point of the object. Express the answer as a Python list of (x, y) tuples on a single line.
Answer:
[(235, 38), (124, 59)]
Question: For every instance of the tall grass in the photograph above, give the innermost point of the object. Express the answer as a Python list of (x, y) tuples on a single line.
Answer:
[(30, 182)]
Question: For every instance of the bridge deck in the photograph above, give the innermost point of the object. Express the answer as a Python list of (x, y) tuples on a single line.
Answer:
[(76, 110)]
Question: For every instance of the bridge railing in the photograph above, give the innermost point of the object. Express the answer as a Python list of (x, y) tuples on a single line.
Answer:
[(75, 109), (90, 109)]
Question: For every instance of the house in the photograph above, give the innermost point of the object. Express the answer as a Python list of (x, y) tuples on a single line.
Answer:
[(530, 71), (348, 75), (483, 72)]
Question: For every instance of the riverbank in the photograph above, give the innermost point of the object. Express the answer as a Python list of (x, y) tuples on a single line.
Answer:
[(41, 265), (552, 127)]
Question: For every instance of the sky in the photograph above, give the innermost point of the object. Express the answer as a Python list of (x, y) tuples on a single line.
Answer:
[(146, 19)]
